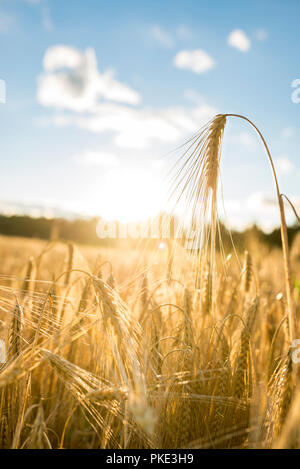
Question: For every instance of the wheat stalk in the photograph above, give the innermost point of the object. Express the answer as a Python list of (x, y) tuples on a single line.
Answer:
[(284, 236)]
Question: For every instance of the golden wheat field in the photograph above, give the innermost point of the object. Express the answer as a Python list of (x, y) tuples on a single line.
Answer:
[(149, 228), (108, 348)]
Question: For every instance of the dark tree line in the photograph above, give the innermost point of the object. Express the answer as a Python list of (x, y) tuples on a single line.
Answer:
[(85, 231)]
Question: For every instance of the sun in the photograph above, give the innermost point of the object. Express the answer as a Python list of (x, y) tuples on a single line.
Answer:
[(130, 195)]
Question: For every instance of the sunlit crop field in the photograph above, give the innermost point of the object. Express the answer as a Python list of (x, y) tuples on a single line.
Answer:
[(110, 348)]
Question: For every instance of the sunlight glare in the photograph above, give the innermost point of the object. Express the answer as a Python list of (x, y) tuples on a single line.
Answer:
[(130, 195)]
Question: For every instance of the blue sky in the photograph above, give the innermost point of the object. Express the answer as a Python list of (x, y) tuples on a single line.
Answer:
[(98, 92)]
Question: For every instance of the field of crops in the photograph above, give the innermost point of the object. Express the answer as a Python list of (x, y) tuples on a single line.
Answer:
[(110, 348)]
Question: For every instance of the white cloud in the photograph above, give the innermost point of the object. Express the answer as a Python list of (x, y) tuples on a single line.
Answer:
[(62, 57), (92, 158), (260, 208), (137, 128), (239, 40), (261, 34), (72, 81), (267, 209), (263, 210), (283, 164), (166, 39), (196, 60), (161, 36), (259, 200)]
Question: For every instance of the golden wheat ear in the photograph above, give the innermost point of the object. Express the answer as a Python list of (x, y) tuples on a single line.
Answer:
[(197, 183), (197, 179), (214, 151)]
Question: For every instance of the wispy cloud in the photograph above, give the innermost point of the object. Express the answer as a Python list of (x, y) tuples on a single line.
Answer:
[(72, 81), (6, 22), (243, 138), (261, 34), (47, 18), (197, 60), (47, 21), (193, 96), (183, 32), (162, 37), (283, 164), (287, 132), (100, 104), (239, 40), (138, 128), (257, 207)]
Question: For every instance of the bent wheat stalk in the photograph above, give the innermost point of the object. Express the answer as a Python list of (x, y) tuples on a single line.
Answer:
[(284, 235), (197, 180)]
